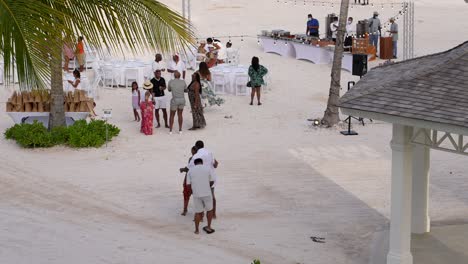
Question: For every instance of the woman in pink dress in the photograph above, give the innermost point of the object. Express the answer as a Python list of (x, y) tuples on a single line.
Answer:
[(147, 108), (68, 55)]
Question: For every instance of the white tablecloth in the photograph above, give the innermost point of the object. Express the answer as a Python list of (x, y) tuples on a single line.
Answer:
[(281, 47), (317, 55), (43, 117), (229, 72)]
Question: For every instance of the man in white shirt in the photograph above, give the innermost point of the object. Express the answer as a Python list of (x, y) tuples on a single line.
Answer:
[(200, 179), (334, 28), (394, 33), (158, 64), (210, 162), (176, 65), (350, 30)]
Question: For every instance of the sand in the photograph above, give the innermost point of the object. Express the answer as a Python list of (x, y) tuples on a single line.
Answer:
[(280, 179)]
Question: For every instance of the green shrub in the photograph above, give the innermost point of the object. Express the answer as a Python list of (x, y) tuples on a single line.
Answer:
[(33, 135), (79, 135), (255, 261)]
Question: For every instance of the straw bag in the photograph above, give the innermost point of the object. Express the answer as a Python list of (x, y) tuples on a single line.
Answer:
[(28, 107)]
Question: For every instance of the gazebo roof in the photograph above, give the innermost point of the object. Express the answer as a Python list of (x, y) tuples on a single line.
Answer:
[(432, 88)]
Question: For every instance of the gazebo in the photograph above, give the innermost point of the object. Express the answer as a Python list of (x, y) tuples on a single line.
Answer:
[(426, 101)]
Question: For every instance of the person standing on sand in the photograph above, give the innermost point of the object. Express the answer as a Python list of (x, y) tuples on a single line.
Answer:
[(211, 163), (200, 179), (159, 85), (136, 99), (178, 88), (187, 191), (256, 74), (147, 108)]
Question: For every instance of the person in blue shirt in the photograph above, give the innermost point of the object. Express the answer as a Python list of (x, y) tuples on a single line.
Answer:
[(312, 26)]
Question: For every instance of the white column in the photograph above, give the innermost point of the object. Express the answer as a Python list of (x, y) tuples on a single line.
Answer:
[(420, 222), (183, 8), (400, 220)]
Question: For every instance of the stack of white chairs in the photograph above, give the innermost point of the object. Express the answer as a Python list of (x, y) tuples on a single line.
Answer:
[(240, 84), (219, 83), (131, 75), (94, 88), (108, 76)]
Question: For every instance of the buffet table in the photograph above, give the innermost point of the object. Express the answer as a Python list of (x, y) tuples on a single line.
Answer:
[(43, 117), (317, 55), (279, 47), (301, 51)]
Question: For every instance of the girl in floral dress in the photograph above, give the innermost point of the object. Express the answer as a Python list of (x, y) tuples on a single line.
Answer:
[(147, 108)]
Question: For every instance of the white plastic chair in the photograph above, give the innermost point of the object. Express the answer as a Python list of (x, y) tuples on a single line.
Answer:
[(219, 83), (131, 75), (240, 84), (267, 80), (108, 76)]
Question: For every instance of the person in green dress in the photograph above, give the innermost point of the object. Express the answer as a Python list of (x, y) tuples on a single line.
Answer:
[(256, 74)]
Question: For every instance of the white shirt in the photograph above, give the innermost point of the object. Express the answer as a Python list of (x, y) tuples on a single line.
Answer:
[(180, 66), (350, 28), (158, 66), (199, 177), (208, 161), (334, 28), (221, 52)]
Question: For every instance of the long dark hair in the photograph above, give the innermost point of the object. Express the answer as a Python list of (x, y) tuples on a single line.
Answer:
[(203, 69), (77, 73), (197, 79), (255, 63)]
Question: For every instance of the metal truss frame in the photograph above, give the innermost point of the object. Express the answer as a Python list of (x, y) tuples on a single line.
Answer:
[(439, 140)]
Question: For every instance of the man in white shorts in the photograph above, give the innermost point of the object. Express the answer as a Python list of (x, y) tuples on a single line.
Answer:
[(200, 180), (159, 85)]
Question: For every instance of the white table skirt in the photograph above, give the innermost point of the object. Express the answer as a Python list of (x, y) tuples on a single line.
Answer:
[(43, 117), (281, 47), (229, 72), (347, 63), (317, 55)]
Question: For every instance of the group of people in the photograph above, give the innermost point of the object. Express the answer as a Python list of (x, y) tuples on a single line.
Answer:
[(155, 99), (199, 182), (70, 54), (375, 28), (212, 52)]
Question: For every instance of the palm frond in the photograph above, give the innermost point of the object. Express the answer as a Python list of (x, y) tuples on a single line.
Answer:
[(33, 31)]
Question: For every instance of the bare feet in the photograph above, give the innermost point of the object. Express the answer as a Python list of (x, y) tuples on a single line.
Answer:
[(259, 103), (158, 126), (167, 126), (184, 213), (196, 232)]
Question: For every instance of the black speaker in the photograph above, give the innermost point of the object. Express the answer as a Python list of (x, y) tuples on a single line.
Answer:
[(359, 64)]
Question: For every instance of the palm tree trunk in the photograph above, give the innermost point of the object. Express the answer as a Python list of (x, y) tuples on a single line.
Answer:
[(332, 115), (57, 110)]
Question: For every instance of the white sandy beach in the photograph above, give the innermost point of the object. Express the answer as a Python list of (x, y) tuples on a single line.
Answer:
[(280, 179)]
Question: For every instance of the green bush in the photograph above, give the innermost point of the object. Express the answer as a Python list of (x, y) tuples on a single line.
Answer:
[(79, 135), (30, 135)]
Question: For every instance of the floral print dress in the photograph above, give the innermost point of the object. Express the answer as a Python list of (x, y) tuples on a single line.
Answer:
[(147, 118), (256, 77)]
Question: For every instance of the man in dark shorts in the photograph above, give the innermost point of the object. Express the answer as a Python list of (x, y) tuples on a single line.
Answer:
[(159, 85)]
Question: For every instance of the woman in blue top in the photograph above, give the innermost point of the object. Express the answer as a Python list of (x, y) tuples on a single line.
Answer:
[(256, 74)]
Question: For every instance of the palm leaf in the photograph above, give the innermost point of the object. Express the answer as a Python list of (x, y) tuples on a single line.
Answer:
[(31, 31)]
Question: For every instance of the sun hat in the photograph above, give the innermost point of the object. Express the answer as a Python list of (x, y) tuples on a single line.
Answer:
[(376, 13), (147, 85)]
